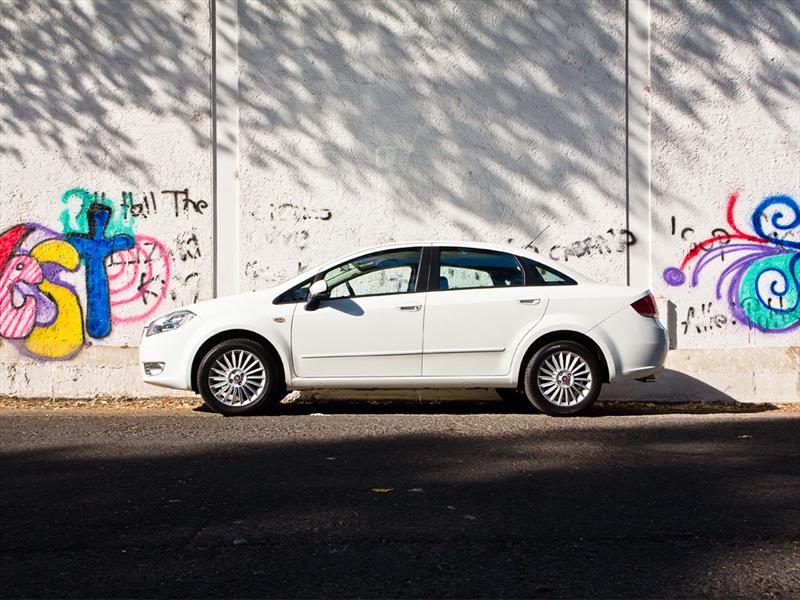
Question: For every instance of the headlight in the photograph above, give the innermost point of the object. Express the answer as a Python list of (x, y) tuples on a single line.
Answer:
[(169, 322)]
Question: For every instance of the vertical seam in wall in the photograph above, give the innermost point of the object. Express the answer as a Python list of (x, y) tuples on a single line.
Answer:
[(627, 157), (648, 106), (214, 221), (226, 148), (637, 142)]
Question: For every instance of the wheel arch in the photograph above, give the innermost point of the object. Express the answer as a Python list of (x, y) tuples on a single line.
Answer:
[(231, 334), (560, 336)]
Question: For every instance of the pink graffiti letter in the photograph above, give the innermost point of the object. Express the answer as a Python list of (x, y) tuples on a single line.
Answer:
[(16, 322)]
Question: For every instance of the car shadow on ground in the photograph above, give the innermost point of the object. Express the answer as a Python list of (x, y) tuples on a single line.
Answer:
[(602, 408), (499, 407), (673, 393)]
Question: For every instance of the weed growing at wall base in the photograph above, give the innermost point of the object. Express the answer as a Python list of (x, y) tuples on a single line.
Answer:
[(762, 285)]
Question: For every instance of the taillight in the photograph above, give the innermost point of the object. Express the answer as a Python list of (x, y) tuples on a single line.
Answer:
[(646, 306)]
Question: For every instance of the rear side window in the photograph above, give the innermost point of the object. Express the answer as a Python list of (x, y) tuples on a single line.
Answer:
[(537, 274), (464, 268)]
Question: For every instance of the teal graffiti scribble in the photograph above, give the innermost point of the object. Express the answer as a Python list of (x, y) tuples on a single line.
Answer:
[(76, 207), (775, 283)]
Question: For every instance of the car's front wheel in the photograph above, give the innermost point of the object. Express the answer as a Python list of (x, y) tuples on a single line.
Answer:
[(562, 378), (237, 377)]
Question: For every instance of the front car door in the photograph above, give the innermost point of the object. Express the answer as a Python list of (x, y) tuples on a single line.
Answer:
[(370, 325), (481, 302)]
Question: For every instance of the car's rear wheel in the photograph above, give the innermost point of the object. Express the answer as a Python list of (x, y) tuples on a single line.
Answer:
[(237, 377), (562, 378)]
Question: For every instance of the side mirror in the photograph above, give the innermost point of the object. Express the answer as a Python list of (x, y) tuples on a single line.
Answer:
[(317, 291), (318, 288)]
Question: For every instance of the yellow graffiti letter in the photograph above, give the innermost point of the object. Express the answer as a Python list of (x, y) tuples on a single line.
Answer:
[(64, 336)]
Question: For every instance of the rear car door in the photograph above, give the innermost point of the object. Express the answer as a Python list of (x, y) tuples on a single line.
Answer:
[(477, 309)]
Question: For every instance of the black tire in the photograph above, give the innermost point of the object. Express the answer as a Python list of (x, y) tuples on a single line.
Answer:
[(567, 389), (261, 394)]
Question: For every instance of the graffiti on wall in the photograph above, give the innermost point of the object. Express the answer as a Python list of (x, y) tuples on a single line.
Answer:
[(148, 205), (611, 241), (288, 227), (58, 288), (760, 282)]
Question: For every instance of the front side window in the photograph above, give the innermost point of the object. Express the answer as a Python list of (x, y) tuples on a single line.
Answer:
[(462, 268), (298, 293), (379, 273)]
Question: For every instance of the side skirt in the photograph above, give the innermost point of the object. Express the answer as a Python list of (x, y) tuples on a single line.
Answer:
[(400, 383)]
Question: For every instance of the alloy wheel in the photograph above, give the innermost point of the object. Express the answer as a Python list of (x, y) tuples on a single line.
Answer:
[(564, 378), (237, 378)]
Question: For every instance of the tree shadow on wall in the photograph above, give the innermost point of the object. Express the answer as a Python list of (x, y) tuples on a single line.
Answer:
[(484, 107), (572, 511), (510, 112), (74, 73)]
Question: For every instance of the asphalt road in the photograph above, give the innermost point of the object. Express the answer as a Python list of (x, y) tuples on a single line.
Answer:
[(471, 503)]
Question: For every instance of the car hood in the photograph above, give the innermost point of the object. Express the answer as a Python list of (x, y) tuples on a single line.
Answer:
[(208, 309)]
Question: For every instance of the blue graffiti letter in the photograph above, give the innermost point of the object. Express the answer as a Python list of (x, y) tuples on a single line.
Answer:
[(93, 248)]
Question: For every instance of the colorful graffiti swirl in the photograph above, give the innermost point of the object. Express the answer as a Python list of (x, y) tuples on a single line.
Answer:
[(761, 284), (125, 277)]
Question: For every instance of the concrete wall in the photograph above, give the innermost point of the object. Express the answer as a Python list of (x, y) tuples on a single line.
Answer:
[(607, 135)]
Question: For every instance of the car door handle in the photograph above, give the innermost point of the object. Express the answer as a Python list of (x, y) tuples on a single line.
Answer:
[(410, 307), (529, 300)]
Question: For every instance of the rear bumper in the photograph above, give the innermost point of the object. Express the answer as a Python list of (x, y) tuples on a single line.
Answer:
[(638, 345), (643, 372)]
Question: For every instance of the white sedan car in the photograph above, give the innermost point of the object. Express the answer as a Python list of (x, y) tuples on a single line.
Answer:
[(412, 315)]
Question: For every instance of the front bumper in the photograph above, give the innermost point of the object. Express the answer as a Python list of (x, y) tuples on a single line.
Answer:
[(175, 351)]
